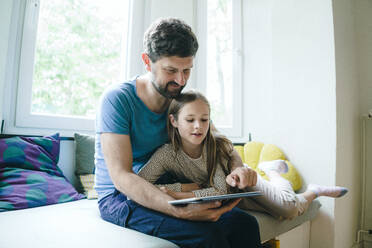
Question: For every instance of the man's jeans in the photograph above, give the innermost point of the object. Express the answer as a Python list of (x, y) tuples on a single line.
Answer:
[(234, 229)]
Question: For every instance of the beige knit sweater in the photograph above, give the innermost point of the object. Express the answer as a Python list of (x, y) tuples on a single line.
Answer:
[(184, 168)]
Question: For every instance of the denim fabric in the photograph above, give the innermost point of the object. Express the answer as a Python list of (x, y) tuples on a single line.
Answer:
[(234, 229)]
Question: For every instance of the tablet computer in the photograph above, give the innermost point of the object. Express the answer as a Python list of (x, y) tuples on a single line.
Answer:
[(215, 198)]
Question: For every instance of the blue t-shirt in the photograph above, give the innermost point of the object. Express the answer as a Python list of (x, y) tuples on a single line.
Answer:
[(121, 111)]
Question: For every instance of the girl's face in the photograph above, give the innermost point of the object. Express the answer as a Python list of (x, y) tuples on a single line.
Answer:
[(192, 123)]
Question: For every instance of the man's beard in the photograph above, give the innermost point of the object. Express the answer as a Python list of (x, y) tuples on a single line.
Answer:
[(164, 90)]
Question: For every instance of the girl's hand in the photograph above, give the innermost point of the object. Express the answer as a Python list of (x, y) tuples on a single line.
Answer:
[(242, 177), (177, 195), (187, 187)]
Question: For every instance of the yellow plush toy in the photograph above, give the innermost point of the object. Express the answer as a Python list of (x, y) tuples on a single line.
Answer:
[(252, 153)]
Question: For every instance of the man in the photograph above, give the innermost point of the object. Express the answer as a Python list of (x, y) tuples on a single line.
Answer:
[(131, 125)]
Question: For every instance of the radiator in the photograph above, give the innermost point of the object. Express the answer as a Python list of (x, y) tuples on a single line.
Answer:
[(364, 235)]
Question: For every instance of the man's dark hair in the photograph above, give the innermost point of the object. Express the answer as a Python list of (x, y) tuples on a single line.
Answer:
[(169, 37)]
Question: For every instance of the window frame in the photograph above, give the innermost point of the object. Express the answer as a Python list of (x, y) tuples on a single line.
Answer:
[(18, 118), (235, 131), (17, 93)]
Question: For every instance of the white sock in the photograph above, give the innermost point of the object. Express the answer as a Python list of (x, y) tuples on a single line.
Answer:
[(330, 191), (279, 166)]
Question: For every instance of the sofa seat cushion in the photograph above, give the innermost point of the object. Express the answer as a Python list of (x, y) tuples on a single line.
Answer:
[(72, 224), (78, 224), (271, 227)]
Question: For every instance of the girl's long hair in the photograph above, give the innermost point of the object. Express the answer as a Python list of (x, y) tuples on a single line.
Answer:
[(218, 147)]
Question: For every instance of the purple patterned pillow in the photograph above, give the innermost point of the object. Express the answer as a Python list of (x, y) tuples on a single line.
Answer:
[(29, 175)]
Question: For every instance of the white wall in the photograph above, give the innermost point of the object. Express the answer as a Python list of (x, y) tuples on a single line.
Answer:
[(363, 24), (348, 124), (302, 93), (5, 14), (290, 90)]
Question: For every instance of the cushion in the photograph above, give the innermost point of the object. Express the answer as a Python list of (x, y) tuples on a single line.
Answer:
[(240, 150), (256, 152), (29, 175), (84, 154), (84, 169), (87, 182)]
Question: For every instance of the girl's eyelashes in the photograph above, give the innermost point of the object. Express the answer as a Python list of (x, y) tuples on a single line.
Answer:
[(192, 120)]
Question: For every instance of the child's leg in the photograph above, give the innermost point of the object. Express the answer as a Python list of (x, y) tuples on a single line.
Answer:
[(279, 166), (278, 198), (273, 169), (309, 195), (313, 191)]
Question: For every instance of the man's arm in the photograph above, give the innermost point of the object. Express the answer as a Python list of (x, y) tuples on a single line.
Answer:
[(118, 157)]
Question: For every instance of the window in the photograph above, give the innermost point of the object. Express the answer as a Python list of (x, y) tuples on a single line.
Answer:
[(71, 51), (219, 33)]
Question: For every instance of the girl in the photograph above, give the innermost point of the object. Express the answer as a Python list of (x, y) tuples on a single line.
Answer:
[(198, 154)]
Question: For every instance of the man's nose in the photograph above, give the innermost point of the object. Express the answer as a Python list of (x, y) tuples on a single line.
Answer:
[(180, 79)]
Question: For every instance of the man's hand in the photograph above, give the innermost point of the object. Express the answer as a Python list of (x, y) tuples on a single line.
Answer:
[(210, 211), (242, 177)]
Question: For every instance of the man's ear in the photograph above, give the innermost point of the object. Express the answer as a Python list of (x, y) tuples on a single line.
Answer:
[(146, 60), (173, 121)]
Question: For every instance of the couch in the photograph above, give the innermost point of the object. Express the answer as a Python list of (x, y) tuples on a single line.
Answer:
[(77, 223)]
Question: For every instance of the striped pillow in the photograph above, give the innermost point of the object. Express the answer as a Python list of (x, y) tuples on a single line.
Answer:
[(29, 175)]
